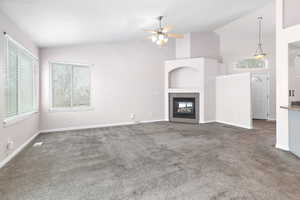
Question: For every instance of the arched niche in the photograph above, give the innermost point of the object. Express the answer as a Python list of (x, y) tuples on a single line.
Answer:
[(184, 78)]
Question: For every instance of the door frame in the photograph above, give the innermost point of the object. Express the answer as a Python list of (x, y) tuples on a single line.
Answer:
[(267, 74)]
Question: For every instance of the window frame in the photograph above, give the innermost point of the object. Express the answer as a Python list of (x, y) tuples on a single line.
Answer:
[(71, 108), (251, 69), (21, 49)]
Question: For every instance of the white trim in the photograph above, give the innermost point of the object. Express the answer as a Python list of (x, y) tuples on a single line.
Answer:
[(99, 126), (182, 90), (71, 63), (18, 150), (21, 46), (233, 124), (208, 121), (282, 147), (18, 118), (232, 75), (72, 109), (35, 82)]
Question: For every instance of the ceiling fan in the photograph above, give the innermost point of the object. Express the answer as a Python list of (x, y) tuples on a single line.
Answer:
[(160, 36)]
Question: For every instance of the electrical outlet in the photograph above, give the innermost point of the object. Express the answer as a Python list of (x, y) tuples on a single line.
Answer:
[(132, 116), (9, 145), (151, 114), (37, 144)]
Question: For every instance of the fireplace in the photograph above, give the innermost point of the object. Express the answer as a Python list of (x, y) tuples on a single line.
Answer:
[(184, 107)]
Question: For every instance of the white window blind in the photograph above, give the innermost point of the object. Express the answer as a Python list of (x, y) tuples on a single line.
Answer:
[(70, 86), (21, 79)]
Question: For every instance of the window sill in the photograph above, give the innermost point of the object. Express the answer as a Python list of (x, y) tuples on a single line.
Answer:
[(77, 109), (16, 119)]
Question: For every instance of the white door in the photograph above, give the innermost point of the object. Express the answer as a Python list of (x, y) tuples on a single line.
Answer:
[(260, 95)]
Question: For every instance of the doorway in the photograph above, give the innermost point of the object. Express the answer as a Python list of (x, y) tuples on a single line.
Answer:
[(260, 95)]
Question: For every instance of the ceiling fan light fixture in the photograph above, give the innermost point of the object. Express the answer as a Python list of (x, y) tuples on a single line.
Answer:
[(154, 38), (161, 36), (160, 42)]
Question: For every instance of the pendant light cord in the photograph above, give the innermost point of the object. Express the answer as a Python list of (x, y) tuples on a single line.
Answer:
[(260, 32), (160, 19)]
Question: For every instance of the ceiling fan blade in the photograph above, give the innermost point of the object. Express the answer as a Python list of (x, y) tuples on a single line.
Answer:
[(149, 37), (149, 31), (174, 35), (167, 28)]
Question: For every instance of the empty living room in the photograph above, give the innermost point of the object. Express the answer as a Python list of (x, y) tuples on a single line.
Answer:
[(149, 100)]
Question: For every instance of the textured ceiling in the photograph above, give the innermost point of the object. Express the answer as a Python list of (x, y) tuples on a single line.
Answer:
[(64, 22)]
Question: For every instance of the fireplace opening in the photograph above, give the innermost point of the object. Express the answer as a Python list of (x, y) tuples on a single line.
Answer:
[(184, 108)]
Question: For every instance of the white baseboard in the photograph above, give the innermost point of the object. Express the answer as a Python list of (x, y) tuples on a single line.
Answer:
[(98, 126), (208, 121), (284, 148), (272, 119), (233, 124), (18, 150)]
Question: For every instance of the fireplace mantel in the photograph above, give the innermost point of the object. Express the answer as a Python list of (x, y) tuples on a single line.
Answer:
[(183, 90)]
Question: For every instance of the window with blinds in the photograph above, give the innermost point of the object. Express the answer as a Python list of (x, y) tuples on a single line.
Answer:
[(71, 86), (21, 79)]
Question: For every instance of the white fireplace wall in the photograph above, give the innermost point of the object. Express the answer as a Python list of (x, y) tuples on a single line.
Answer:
[(196, 75), (212, 70)]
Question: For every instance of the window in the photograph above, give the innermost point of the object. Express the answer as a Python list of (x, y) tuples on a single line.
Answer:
[(252, 63), (20, 81), (70, 86)]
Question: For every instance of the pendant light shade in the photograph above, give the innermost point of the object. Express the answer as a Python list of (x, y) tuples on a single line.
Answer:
[(260, 54)]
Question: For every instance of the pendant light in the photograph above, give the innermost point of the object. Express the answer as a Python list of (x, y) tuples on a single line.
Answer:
[(260, 54)]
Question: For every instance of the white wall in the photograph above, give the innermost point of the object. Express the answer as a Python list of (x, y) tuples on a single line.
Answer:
[(198, 45), (211, 71), (23, 130), (233, 100), (205, 44), (239, 41), (183, 47), (291, 12), (127, 77), (284, 36)]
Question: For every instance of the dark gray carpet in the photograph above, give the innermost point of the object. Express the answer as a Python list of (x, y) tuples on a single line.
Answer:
[(158, 161)]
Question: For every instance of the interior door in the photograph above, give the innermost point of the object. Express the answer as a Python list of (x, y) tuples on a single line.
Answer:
[(260, 95)]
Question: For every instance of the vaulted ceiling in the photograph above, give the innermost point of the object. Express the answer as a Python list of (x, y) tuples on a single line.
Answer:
[(63, 22)]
